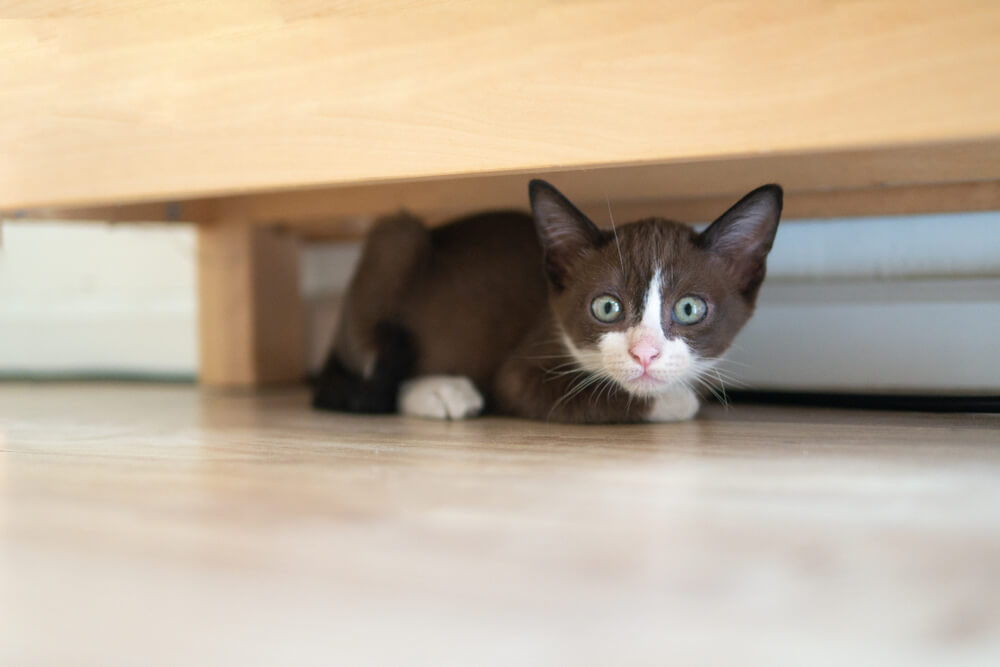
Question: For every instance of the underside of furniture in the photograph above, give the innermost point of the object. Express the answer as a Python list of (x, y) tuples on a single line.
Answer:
[(268, 122)]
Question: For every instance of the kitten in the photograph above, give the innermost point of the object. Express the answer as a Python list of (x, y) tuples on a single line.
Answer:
[(546, 317)]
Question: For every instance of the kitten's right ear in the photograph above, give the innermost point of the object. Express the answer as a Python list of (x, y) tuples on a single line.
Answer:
[(743, 236), (565, 232)]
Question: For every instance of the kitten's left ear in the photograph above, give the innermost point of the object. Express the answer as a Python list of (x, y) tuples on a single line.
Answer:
[(565, 233), (743, 236)]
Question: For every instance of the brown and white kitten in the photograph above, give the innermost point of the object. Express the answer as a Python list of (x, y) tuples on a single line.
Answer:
[(546, 317)]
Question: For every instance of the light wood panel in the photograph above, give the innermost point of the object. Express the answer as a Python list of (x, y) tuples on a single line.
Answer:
[(102, 102), (251, 323), (163, 526)]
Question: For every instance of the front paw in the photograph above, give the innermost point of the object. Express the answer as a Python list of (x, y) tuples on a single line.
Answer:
[(440, 397), (679, 404)]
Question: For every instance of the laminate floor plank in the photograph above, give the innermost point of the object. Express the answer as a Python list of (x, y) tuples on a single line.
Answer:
[(164, 525)]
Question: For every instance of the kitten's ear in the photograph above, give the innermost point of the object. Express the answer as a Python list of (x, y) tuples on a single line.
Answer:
[(743, 236), (564, 231)]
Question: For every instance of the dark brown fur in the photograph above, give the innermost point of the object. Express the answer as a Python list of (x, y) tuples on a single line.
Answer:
[(481, 298)]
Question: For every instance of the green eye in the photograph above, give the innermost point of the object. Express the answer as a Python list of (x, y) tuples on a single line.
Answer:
[(690, 310), (606, 308)]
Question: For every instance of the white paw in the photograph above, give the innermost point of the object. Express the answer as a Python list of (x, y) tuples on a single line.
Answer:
[(440, 397), (678, 404)]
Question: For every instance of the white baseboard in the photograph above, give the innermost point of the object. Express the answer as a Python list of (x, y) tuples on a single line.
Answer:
[(936, 336)]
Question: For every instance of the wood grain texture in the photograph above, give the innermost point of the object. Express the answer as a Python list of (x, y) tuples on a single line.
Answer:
[(164, 526), (250, 320), (103, 102)]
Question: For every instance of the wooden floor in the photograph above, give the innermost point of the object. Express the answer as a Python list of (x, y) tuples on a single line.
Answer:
[(156, 525)]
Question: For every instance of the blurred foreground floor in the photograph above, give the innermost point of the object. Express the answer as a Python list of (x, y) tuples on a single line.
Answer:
[(160, 525)]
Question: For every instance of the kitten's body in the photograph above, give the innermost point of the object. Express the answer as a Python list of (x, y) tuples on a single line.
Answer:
[(497, 311)]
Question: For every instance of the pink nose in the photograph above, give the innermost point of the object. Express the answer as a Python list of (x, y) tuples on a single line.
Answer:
[(644, 352)]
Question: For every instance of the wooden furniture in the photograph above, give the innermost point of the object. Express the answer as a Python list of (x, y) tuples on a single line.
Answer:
[(268, 121)]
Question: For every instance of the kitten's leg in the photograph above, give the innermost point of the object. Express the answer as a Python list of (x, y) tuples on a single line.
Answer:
[(440, 397), (372, 354), (396, 251), (677, 404), (339, 388)]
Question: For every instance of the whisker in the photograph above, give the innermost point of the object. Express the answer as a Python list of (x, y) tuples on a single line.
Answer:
[(572, 363), (722, 388), (721, 376), (546, 356), (600, 389), (595, 379), (565, 369), (609, 388), (703, 376), (572, 391), (581, 385), (617, 242), (560, 374), (732, 362), (721, 398)]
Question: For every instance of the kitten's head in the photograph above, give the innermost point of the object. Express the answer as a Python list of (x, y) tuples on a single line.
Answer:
[(658, 305)]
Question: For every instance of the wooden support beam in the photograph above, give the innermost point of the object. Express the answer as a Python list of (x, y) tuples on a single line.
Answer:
[(878, 201), (884, 169), (952, 177), (250, 312), (865, 202)]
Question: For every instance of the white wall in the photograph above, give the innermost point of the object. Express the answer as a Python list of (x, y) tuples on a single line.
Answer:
[(86, 298)]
